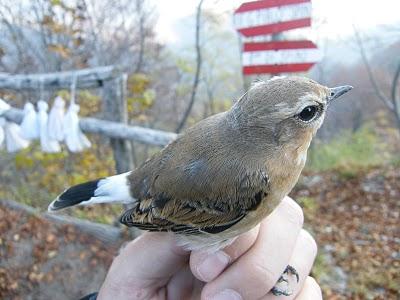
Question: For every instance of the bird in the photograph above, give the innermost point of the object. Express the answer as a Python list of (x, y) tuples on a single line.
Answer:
[(225, 174)]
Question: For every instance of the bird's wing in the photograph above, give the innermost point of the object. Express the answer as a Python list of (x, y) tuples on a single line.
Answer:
[(180, 222), (200, 182), (191, 202)]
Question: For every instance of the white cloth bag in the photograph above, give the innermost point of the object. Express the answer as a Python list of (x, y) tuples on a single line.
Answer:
[(14, 140), (3, 108), (55, 124), (47, 144), (75, 140), (2, 135), (10, 132), (30, 125)]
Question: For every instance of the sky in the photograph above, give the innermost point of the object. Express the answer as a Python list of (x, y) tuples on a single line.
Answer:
[(337, 16)]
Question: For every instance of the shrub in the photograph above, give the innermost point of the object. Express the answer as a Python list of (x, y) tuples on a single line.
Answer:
[(347, 152)]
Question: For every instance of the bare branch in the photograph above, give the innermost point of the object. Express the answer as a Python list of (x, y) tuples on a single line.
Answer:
[(142, 35), (378, 91), (198, 68), (396, 101)]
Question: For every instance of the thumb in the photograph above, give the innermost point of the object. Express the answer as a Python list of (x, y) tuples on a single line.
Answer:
[(143, 267)]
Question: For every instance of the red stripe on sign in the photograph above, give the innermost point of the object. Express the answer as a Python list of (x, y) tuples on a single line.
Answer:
[(256, 5), (274, 69), (275, 28), (278, 45)]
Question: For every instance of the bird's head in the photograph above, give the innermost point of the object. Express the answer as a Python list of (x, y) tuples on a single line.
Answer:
[(285, 109)]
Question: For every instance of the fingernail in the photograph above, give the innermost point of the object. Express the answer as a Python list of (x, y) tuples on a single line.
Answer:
[(213, 265), (226, 295)]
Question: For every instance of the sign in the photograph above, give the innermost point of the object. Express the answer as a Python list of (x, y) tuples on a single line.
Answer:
[(272, 16), (257, 19), (279, 57)]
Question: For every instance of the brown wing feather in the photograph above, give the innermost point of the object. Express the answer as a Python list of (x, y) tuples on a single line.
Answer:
[(134, 218), (197, 183), (189, 217)]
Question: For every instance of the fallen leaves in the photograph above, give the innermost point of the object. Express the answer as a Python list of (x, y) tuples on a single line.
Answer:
[(39, 257), (356, 224)]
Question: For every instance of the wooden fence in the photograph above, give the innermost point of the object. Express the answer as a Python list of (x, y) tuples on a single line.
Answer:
[(115, 118)]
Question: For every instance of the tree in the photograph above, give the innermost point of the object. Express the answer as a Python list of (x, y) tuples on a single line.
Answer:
[(392, 103), (221, 74), (46, 36), (198, 68)]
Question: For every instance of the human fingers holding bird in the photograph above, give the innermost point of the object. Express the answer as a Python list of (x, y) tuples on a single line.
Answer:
[(254, 271), (154, 267)]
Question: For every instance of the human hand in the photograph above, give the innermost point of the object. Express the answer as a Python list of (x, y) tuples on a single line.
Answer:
[(153, 267)]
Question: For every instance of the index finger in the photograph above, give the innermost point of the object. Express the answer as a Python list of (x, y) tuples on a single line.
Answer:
[(143, 266), (256, 272)]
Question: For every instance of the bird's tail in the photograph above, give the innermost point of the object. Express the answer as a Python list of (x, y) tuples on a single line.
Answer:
[(113, 189)]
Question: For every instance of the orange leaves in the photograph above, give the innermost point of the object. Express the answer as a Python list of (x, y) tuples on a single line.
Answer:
[(38, 255), (140, 96), (355, 222), (62, 50)]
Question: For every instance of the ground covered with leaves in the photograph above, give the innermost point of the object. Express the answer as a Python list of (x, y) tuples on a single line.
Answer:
[(42, 260), (355, 220), (353, 216)]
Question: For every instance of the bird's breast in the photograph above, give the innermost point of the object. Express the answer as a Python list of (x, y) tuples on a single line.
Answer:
[(283, 172)]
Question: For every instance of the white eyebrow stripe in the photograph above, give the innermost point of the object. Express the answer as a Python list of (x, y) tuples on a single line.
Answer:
[(308, 99), (284, 109), (308, 96)]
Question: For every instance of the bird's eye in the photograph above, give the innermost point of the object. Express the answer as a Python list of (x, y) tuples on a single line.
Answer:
[(308, 113)]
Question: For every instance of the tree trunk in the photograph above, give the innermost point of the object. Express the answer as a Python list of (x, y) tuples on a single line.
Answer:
[(396, 101), (392, 103), (115, 109)]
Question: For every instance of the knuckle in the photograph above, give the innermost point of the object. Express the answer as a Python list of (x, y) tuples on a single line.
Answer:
[(121, 289), (263, 275), (243, 243), (293, 211)]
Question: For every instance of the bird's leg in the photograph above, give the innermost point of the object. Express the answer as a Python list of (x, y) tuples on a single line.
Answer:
[(277, 290)]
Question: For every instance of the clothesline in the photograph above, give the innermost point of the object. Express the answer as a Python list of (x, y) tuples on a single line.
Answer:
[(110, 79), (110, 129), (51, 130), (59, 125)]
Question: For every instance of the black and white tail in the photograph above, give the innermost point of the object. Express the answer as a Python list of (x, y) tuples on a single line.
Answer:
[(113, 189)]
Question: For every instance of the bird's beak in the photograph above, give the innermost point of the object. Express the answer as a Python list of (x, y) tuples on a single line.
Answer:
[(336, 92)]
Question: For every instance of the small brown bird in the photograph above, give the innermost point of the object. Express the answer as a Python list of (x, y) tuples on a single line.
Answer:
[(226, 173)]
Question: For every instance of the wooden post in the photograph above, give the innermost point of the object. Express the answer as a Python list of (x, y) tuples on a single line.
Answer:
[(276, 37), (115, 109), (245, 79)]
